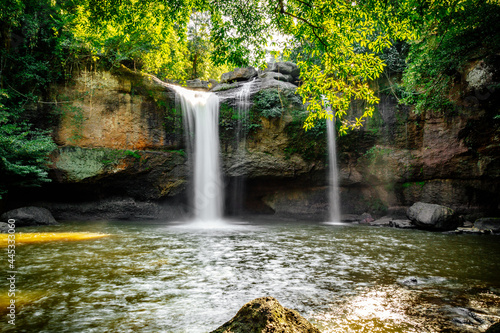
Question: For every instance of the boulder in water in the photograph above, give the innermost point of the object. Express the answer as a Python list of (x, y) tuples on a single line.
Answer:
[(267, 315), (432, 217), (488, 223), (30, 216)]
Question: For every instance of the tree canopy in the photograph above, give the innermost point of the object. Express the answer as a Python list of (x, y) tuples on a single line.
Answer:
[(339, 45)]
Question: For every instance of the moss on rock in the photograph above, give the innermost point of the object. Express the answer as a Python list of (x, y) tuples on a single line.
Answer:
[(266, 315)]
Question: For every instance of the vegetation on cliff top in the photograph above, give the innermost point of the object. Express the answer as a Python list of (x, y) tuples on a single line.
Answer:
[(340, 46)]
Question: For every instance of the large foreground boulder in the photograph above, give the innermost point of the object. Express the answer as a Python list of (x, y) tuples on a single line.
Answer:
[(488, 223), (433, 217), (29, 216), (266, 315)]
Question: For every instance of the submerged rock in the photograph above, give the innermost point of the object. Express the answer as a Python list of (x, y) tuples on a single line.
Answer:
[(266, 314), (432, 217), (413, 281), (30, 216), (489, 223)]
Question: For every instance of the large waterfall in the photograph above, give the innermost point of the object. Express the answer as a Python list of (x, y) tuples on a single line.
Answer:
[(201, 121), (334, 173)]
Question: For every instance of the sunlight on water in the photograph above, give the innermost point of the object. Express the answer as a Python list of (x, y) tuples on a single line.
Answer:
[(164, 277), (222, 224), (42, 237), (373, 310), (22, 298)]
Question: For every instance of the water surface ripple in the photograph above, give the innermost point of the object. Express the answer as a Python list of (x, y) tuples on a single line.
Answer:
[(160, 277)]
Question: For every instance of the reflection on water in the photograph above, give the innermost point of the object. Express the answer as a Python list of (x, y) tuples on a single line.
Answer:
[(42, 237), (166, 278)]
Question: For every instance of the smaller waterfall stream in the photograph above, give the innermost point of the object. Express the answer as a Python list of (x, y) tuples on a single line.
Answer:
[(201, 121), (238, 185), (334, 172)]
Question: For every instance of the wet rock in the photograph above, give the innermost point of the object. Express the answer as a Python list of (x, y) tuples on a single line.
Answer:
[(4, 227), (413, 281), (432, 217), (401, 224), (198, 84), (117, 208), (366, 218), (462, 316), (265, 314), (468, 224), (489, 223), (30, 216), (495, 328), (382, 222), (239, 74), (143, 175), (472, 230), (350, 218)]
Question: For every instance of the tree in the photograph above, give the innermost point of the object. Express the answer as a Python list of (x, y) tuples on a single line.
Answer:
[(341, 43), (33, 57)]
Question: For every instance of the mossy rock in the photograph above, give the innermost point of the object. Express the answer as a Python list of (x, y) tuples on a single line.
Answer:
[(266, 315)]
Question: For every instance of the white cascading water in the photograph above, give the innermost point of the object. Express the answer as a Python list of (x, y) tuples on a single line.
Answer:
[(243, 109), (238, 185), (201, 122), (334, 173)]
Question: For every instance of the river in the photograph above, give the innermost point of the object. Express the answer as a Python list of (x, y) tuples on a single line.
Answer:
[(168, 277)]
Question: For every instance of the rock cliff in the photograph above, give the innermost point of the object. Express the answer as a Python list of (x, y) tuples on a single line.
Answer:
[(121, 141)]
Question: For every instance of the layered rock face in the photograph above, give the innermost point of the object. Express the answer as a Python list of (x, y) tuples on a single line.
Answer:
[(121, 145), (123, 110)]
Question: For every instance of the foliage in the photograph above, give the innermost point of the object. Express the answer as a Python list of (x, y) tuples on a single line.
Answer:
[(23, 151), (271, 103), (267, 103), (311, 145), (33, 56), (436, 60), (228, 123), (376, 206), (376, 154)]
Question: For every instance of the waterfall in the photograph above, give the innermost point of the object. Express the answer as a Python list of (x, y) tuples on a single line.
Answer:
[(201, 122), (243, 109), (334, 172), (238, 183)]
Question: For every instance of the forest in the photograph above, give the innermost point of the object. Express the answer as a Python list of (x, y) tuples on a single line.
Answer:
[(340, 47)]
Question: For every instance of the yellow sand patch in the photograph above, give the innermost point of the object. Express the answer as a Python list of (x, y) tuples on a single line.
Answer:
[(42, 237)]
